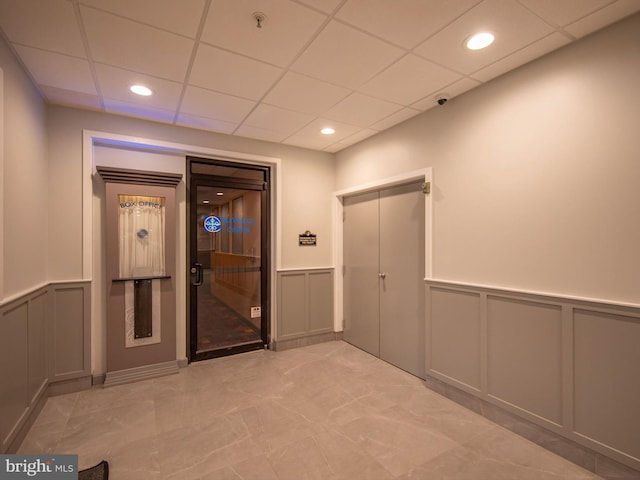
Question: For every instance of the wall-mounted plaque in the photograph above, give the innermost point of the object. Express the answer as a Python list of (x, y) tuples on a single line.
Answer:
[(307, 239)]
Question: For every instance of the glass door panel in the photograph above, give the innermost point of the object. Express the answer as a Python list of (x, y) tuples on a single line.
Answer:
[(227, 267)]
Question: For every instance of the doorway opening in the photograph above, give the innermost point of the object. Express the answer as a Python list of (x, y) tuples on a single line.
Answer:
[(229, 281)]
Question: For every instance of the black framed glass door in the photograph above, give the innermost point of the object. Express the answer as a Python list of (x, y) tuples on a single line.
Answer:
[(228, 258)]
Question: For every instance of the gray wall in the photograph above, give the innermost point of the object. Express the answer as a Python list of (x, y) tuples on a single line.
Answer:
[(535, 173)]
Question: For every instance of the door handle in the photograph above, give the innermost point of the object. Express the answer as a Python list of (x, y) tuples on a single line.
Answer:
[(382, 275), (197, 271)]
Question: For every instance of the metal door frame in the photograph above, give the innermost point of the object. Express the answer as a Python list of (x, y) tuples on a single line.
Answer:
[(265, 247)]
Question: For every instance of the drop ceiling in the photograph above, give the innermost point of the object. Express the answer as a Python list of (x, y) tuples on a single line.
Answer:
[(360, 66)]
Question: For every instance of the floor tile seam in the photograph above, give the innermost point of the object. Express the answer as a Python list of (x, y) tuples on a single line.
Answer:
[(106, 412), (452, 451)]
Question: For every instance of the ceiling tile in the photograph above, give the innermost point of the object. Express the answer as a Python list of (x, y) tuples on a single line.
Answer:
[(277, 119), (204, 123), (359, 136), (115, 82), (260, 133), (312, 131), (451, 91), (139, 110), (70, 97), (513, 25), (408, 80), (218, 106), (305, 94), (58, 70), (227, 72), (530, 52), (287, 27), (335, 147), (345, 56), (306, 142), (327, 6), (136, 47), (395, 119), (49, 25), (563, 12), (178, 17), (361, 110), (403, 22), (612, 13)]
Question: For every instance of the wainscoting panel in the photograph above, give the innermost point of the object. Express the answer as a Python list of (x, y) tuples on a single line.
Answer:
[(44, 346), (70, 331), (14, 368), (455, 323), (564, 364), (291, 304), (607, 379), (305, 304), (23, 362), (524, 365), (38, 351), (320, 294)]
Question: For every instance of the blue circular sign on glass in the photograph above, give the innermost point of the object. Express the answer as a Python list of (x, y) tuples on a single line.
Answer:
[(212, 224)]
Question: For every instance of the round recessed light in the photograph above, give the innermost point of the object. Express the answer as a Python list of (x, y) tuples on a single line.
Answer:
[(206, 202), (327, 131), (220, 194), (141, 90), (480, 40)]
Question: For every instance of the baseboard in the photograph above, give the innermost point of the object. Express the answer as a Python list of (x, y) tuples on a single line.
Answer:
[(585, 457), (183, 362), (140, 373), (70, 386), (22, 431), (280, 345)]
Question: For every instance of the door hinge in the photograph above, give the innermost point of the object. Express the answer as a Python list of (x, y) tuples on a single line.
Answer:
[(426, 188)]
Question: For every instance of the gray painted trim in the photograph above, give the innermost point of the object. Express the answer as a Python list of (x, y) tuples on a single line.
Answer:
[(519, 353), (69, 311), (141, 373), (29, 375), (304, 311), (281, 345)]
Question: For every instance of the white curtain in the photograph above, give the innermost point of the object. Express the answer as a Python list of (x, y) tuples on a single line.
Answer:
[(141, 227)]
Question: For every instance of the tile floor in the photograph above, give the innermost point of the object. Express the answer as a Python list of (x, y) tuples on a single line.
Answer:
[(327, 411)]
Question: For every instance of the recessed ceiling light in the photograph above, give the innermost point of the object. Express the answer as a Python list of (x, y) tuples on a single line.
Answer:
[(141, 90), (219, 194), (480, 40), (205, 202), (327, 131)]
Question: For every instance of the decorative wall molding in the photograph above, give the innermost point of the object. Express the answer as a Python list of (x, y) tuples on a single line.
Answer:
[(305, 303), (568, 365), (44, 348), (139, 177)]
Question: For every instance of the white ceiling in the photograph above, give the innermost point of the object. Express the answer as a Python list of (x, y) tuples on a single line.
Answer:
[(360, 66)]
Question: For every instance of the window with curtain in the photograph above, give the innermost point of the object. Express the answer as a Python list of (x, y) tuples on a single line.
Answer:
[(141, 230)]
